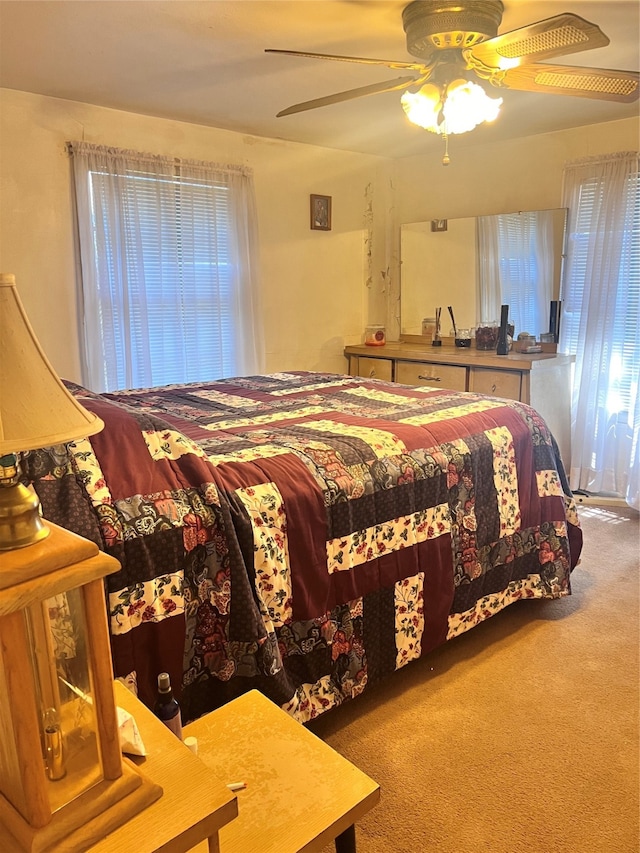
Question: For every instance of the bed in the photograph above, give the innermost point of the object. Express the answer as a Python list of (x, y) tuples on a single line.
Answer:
[(307, 534)]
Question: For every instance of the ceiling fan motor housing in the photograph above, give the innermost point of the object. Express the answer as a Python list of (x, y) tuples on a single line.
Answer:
[(438, 25)]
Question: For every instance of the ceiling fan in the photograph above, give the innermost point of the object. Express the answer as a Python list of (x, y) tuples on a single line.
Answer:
[(457, 43)]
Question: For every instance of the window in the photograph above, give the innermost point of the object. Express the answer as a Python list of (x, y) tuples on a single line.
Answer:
[(622, 348), (601, 322), (168, 273)]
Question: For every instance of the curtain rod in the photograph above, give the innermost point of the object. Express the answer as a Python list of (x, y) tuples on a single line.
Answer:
[(144, 156)]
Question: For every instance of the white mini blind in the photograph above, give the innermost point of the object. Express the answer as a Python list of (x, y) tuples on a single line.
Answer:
[(601, 322), (589, 252), (522, 270), (168, 277)]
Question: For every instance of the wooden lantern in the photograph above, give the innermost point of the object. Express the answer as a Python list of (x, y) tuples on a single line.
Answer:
[(63, 781)]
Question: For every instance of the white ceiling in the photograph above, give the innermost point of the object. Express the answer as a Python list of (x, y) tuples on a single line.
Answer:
[(204, 62)]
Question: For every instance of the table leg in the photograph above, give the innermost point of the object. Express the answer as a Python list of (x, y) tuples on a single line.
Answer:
[(346, 841)]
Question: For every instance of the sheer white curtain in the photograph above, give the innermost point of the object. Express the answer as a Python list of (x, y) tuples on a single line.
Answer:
[(169, 269), (489, 290), (516, 268), (601, 322)]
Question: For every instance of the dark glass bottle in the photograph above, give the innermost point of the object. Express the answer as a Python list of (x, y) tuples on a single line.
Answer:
[(167, 707), (503, 341)]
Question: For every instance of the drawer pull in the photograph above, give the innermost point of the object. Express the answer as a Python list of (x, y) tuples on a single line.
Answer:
[(372, 373), (429, 378), (493, 388)]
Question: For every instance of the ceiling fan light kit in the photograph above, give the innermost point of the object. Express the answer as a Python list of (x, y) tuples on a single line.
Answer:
[(458, 41), (457, 107)]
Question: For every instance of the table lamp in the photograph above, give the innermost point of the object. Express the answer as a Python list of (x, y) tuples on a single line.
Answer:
[(36, 410), (63, 781)]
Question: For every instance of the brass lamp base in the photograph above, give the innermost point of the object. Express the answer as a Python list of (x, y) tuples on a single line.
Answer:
[(20, 522)]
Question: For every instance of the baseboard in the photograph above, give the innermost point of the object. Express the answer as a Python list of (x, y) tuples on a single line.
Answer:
[(599, 500)]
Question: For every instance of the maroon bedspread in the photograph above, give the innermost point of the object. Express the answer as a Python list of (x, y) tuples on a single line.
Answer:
[(307, 534)]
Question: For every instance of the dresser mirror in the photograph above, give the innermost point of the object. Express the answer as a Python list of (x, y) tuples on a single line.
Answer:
[(478, 263)]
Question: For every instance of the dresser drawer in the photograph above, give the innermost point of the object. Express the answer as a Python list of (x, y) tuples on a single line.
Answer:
[(434, 375), (373, 368), (496, 383)]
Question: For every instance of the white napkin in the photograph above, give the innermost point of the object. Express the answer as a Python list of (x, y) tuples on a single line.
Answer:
[(128, 732)]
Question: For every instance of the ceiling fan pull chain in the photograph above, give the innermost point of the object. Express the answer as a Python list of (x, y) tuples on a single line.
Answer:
[(446, 159)]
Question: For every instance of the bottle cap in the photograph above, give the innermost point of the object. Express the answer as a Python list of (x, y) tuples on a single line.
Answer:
[(164, 682), (192, 743)]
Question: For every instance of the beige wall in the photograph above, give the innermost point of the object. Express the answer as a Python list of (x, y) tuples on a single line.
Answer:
[(319, 288), (522, 174)]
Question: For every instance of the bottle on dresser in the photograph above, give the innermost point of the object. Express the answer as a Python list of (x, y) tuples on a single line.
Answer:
[(502, 347), (167, 707)]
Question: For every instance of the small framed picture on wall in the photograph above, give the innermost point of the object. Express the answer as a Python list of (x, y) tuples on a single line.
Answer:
[(320, 212)]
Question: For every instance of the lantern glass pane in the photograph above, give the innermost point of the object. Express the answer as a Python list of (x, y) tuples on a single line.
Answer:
[(62, 673)]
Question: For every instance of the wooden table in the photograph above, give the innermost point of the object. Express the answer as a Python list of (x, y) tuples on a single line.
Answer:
[(195, 803), (300, 793)]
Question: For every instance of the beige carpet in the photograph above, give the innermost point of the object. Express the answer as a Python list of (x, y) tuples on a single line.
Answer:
[(521, 735)]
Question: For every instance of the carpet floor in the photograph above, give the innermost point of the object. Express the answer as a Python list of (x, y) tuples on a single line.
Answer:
[(520, 736)]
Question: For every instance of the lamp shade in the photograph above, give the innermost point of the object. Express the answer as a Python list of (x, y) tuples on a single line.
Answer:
[(36, 410)]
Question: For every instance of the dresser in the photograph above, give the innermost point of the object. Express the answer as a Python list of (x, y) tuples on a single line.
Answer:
[(542, 380)]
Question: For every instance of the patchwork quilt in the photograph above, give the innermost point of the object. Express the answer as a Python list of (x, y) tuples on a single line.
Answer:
[(307, 534)]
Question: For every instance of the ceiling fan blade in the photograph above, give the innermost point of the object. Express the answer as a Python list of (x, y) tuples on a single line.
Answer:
[(545, 39), (603, 83), (373, 89), (390, 63)]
